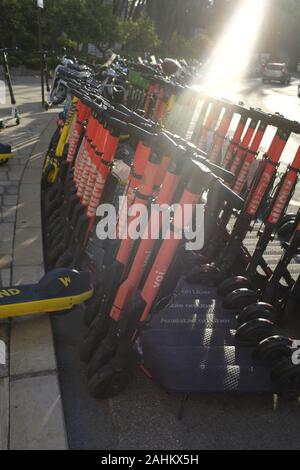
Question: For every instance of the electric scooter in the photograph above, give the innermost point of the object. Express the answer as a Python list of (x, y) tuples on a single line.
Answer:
[(15, 116), (59, 290), (5, 153), (278, 206), (226, 259), (111, 364)]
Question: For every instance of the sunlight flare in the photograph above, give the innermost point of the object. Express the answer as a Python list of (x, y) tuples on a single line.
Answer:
[(232, 55)]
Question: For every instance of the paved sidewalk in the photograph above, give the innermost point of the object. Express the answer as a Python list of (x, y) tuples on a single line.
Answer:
[(31, 415)]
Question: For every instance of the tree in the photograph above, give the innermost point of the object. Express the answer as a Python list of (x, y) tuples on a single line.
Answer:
[(182, 17), (140, 36), (281, 31)]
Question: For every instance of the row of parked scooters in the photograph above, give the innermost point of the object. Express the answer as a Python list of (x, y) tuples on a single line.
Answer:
[(124, 143)]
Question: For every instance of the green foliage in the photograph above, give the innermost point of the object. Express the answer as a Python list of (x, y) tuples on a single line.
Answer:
[(64, 22), (196, 48), (164, 26), (140, 36), (281, 31)]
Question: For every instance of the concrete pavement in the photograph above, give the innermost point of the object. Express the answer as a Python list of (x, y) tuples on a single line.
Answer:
[(31, 415)]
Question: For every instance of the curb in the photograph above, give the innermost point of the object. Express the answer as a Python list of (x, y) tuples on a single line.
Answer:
[(36, 419)]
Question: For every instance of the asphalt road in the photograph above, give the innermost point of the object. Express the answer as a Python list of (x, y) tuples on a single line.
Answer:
[(144, 416)]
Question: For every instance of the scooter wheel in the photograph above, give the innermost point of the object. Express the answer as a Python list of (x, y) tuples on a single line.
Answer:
[(233, 283), (57, 226), (114, 377), (271, 350), (54, 217), (65, 260), (96, 333), (54, 191), (257, 310), (101, 356), (55, 254), (91, 311), (57, 239), (240, 298), (109, 382), (207, 274), (255, 331), (53, 206), (286, 218), (286, 230), (58, 230), (286, 376)]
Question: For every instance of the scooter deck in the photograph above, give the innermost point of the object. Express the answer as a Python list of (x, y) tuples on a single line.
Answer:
[(6, 156), (28, 300), (190, 346)]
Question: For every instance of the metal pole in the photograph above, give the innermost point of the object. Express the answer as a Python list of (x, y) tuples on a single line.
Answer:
[(41, 55), (8, 79)]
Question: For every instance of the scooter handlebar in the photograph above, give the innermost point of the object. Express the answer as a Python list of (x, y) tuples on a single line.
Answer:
[(203, 178), (202, 157), (9, 49), (226, 175), (131, 129), (135, 118), (166, 144), (227, 194)]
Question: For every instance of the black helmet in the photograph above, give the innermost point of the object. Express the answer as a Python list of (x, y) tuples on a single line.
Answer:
[(170, 66)]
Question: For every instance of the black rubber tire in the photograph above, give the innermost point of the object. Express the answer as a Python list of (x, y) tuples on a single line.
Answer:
[(271, 350), (53, 206), (286, 376), (53, 191), (257, 310), (102, 355), (232, 284), (65, 260), (91, 311), (95, 334), (286, 231), (255, 331), (286, 218), (240, 299), (58, 237), (54, 255), (53, 227), (109, 382)]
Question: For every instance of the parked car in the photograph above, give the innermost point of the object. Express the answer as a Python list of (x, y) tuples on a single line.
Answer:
[(275, 72)]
